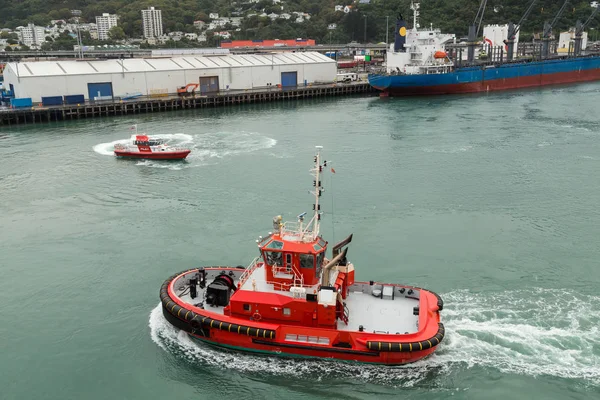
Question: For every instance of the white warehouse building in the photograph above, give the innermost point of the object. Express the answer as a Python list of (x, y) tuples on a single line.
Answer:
[(117, 78)]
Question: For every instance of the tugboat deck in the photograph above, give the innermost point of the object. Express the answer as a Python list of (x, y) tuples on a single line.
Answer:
[(256, 282), (380, 315)]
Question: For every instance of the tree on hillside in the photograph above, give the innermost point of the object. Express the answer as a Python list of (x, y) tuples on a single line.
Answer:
[(116, 33)]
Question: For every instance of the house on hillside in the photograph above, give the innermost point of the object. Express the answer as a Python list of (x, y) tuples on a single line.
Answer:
[(213, 15), (223, 34), (338, 8)]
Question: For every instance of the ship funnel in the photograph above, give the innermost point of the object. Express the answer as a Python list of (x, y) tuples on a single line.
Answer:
[(401, 31)]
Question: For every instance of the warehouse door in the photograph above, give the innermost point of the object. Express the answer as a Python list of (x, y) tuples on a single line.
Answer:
[(209, 84), (289, 79), (100, 91)]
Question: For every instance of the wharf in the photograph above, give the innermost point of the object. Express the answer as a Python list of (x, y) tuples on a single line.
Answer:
[(148, 104)]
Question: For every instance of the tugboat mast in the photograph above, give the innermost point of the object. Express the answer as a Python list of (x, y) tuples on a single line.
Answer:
[(317, 192)]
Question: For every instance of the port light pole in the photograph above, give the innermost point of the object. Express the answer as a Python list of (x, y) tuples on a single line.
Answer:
[(387, 29), (77, 14)]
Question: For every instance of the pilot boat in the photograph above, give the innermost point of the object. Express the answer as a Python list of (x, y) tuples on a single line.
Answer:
[(295, 300), (143, 146)]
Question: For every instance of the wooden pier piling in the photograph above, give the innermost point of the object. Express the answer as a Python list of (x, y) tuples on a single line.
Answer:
[(148, 104)]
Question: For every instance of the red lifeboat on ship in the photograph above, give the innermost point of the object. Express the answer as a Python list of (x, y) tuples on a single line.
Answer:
[(440, 54), (293, 300), (142, 146)]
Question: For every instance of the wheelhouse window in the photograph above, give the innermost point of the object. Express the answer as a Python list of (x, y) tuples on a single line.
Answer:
[(307, 261), (246, 307), (274, 258), (320, 258)]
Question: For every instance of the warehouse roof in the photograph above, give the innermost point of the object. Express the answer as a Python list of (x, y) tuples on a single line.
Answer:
[(81, 67)]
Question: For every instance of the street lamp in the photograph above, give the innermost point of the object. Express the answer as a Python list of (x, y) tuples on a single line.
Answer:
[(387, 30), (365, 42), (76, 14)]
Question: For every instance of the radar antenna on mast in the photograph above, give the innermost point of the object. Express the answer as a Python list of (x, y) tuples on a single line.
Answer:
[(318, 190), (415, 7)]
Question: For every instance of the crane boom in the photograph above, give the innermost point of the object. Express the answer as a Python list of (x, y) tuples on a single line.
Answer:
[(547, 32), (548, 27), (474, 31), (515, 29), (579, 27), (479, 17)]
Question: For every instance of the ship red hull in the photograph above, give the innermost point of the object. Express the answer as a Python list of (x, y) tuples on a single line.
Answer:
[(270, 337), (235, 342), (499, 84), (165, 155)]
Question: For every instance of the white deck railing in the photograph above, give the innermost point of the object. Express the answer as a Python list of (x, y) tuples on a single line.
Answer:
[(249, 270), (298, 231)]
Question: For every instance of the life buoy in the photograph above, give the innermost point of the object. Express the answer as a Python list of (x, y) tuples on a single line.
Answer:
[(256, 316)]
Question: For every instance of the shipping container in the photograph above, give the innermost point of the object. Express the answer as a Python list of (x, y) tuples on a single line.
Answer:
[(52, 101), (22, 102), (74, 99)]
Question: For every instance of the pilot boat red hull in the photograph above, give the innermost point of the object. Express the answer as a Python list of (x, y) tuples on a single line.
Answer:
[(163, 155), (145, 147)]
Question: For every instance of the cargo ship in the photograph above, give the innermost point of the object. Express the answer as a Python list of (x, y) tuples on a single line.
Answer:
[(419, 64)]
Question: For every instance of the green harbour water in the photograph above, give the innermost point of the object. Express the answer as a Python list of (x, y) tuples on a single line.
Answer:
[(492, 201)]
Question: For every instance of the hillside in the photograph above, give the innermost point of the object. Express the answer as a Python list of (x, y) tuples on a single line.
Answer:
[(179, 15)]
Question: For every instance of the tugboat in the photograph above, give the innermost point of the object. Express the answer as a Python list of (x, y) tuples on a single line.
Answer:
[(293, 300), (142, 146)]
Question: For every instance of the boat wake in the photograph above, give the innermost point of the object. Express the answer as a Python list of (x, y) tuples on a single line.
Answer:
[(537, 332), (205, 147)]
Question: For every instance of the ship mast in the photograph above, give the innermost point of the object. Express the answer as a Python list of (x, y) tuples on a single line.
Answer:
[(316, 173), (415, 7)]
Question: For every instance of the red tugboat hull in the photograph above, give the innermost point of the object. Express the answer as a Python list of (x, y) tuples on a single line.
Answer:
[(278, 339), (165, 155)]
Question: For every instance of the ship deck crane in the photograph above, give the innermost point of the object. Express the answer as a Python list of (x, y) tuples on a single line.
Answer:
[(513, 30), (474, 31), (547, 33), (579, 27)]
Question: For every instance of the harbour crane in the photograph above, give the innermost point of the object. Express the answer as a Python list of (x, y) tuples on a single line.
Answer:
[(513, 30), (547, 33), (579, 27), (474, 31)]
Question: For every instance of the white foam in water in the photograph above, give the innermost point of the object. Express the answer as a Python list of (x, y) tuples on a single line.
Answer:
[(204, 147), (107, 149), (537, 332)]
